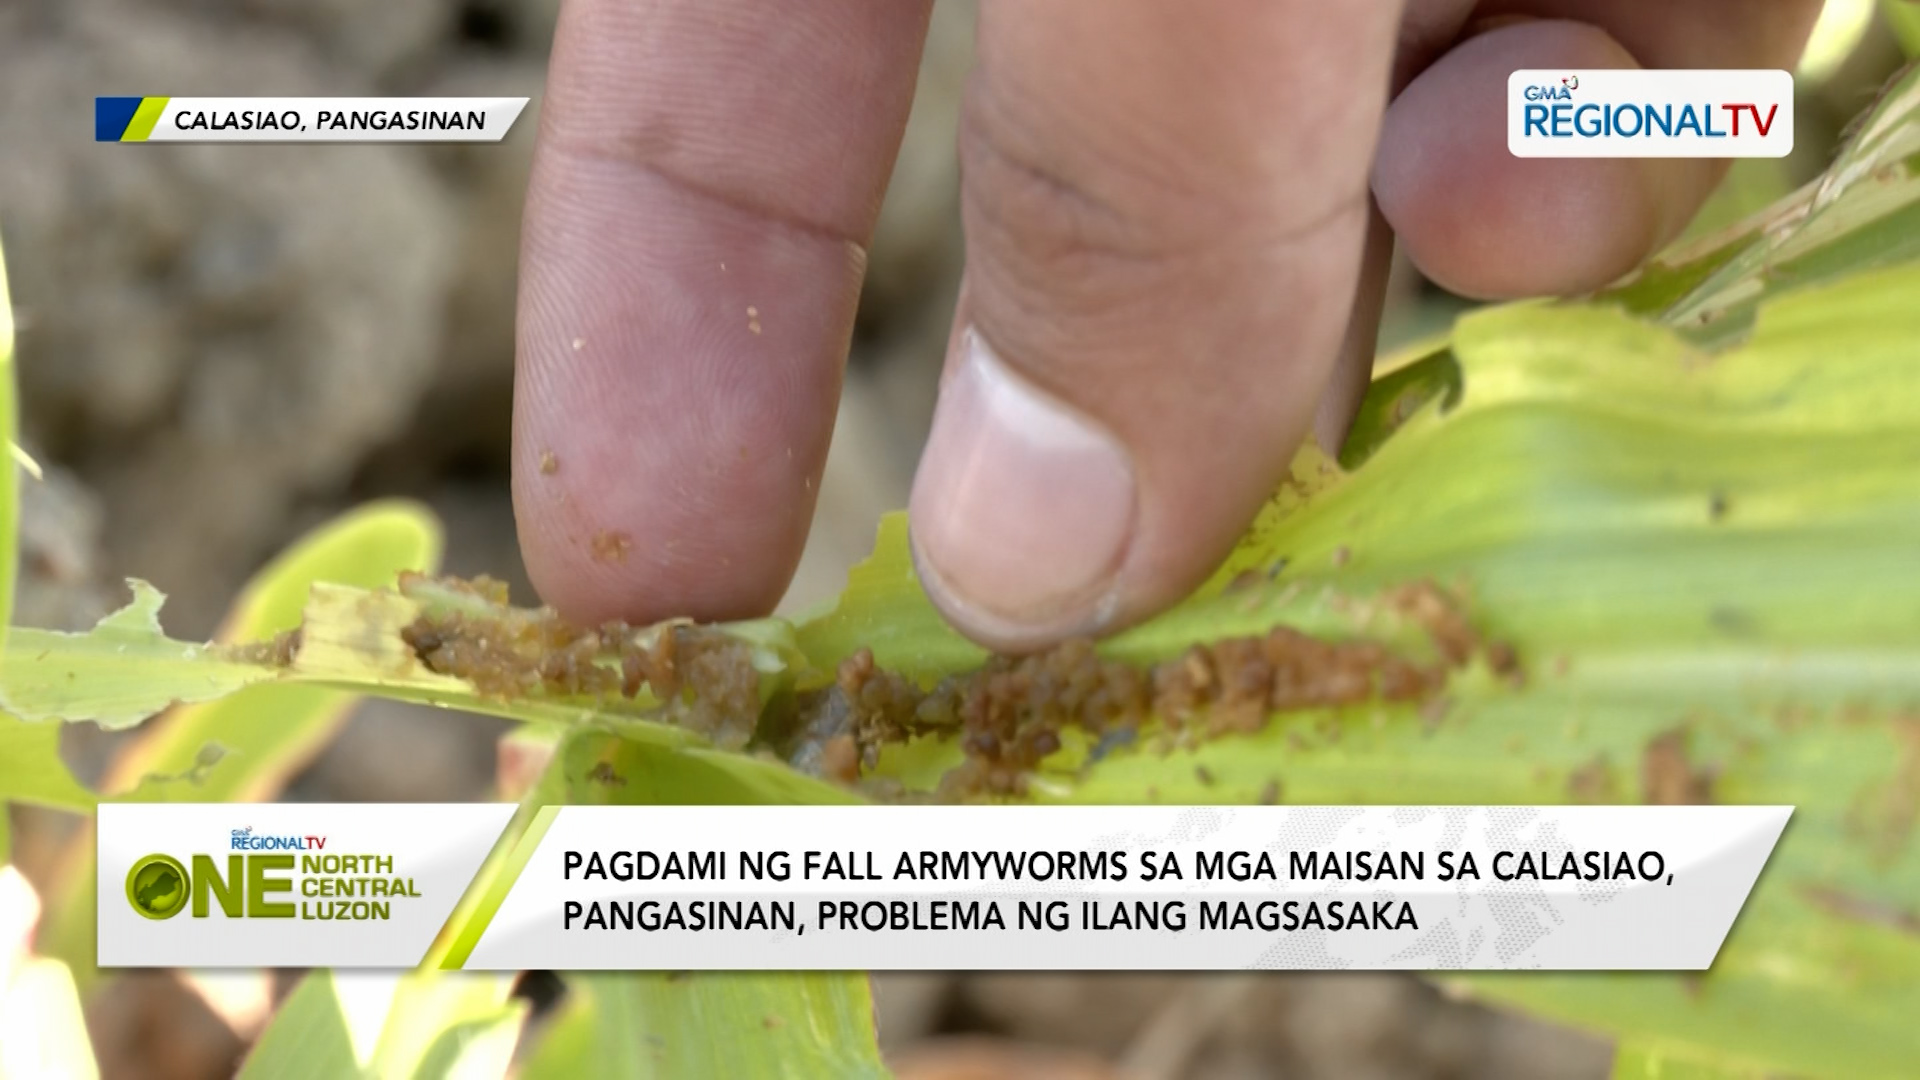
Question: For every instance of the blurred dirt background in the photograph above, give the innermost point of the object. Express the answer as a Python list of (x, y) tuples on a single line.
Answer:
[(221, 346)]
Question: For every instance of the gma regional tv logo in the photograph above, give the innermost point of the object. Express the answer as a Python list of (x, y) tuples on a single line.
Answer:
[(314, 885), (1713, 113)]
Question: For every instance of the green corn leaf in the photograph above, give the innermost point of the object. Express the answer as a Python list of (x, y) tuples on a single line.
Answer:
[(31, 769), (308, 1038), (1635, 1061), (1903, 17), (9, 473), (119, 673), (422, 1026), (752, 1025)]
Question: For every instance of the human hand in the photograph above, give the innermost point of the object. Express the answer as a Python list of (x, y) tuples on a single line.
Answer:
[(1171, 275)]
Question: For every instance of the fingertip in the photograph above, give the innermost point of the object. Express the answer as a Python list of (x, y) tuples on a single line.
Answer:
[(678, 367), (705, 182), (1486, 224), (595, 552)]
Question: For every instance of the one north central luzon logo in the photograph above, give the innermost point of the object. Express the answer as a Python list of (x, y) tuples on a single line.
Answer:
[(1555, 111), (315, 884)]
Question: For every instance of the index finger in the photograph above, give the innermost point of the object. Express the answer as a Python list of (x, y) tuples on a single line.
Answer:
[(705, 183)]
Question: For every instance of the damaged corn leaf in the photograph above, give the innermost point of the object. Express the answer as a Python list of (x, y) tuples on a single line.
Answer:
[(241, 748), (884, 610), (699, 690), (1636, 569), (257, 738), (122, 671), (1863, 212), (439, 641), (1684, 558), (449, 642)]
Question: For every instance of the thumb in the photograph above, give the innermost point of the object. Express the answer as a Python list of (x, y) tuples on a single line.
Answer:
[(1164, 207)]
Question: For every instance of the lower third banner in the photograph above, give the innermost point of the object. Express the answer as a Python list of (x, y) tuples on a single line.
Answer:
[(939, 887)]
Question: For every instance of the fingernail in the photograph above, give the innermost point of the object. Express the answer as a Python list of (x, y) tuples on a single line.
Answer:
[(1022, 508)]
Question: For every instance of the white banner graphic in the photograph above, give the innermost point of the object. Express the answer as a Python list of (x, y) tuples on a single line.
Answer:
[(1642, 114), (284, 885), (1126, 888)]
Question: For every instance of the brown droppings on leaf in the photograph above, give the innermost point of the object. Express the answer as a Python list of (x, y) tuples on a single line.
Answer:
[(549, 463), (1204, 775), (602, 773), (772, 1022), (1442, 619), (1244, 580), (1717, 506), (1269, 793), (840, 759), (611, 546), (1504, 662), (1668, 777), (1342, 555), (1009, 715), (277, 651), (705, 678)]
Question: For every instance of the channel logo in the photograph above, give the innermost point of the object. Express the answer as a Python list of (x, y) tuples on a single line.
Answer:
[(284, 884), (312, 885), (1616, 113), (245, 839)]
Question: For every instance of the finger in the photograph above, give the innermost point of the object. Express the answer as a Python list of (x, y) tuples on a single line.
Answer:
[(707, 177), (1164, 207), (1353, 362), (1487, 224), (1426, 28)]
